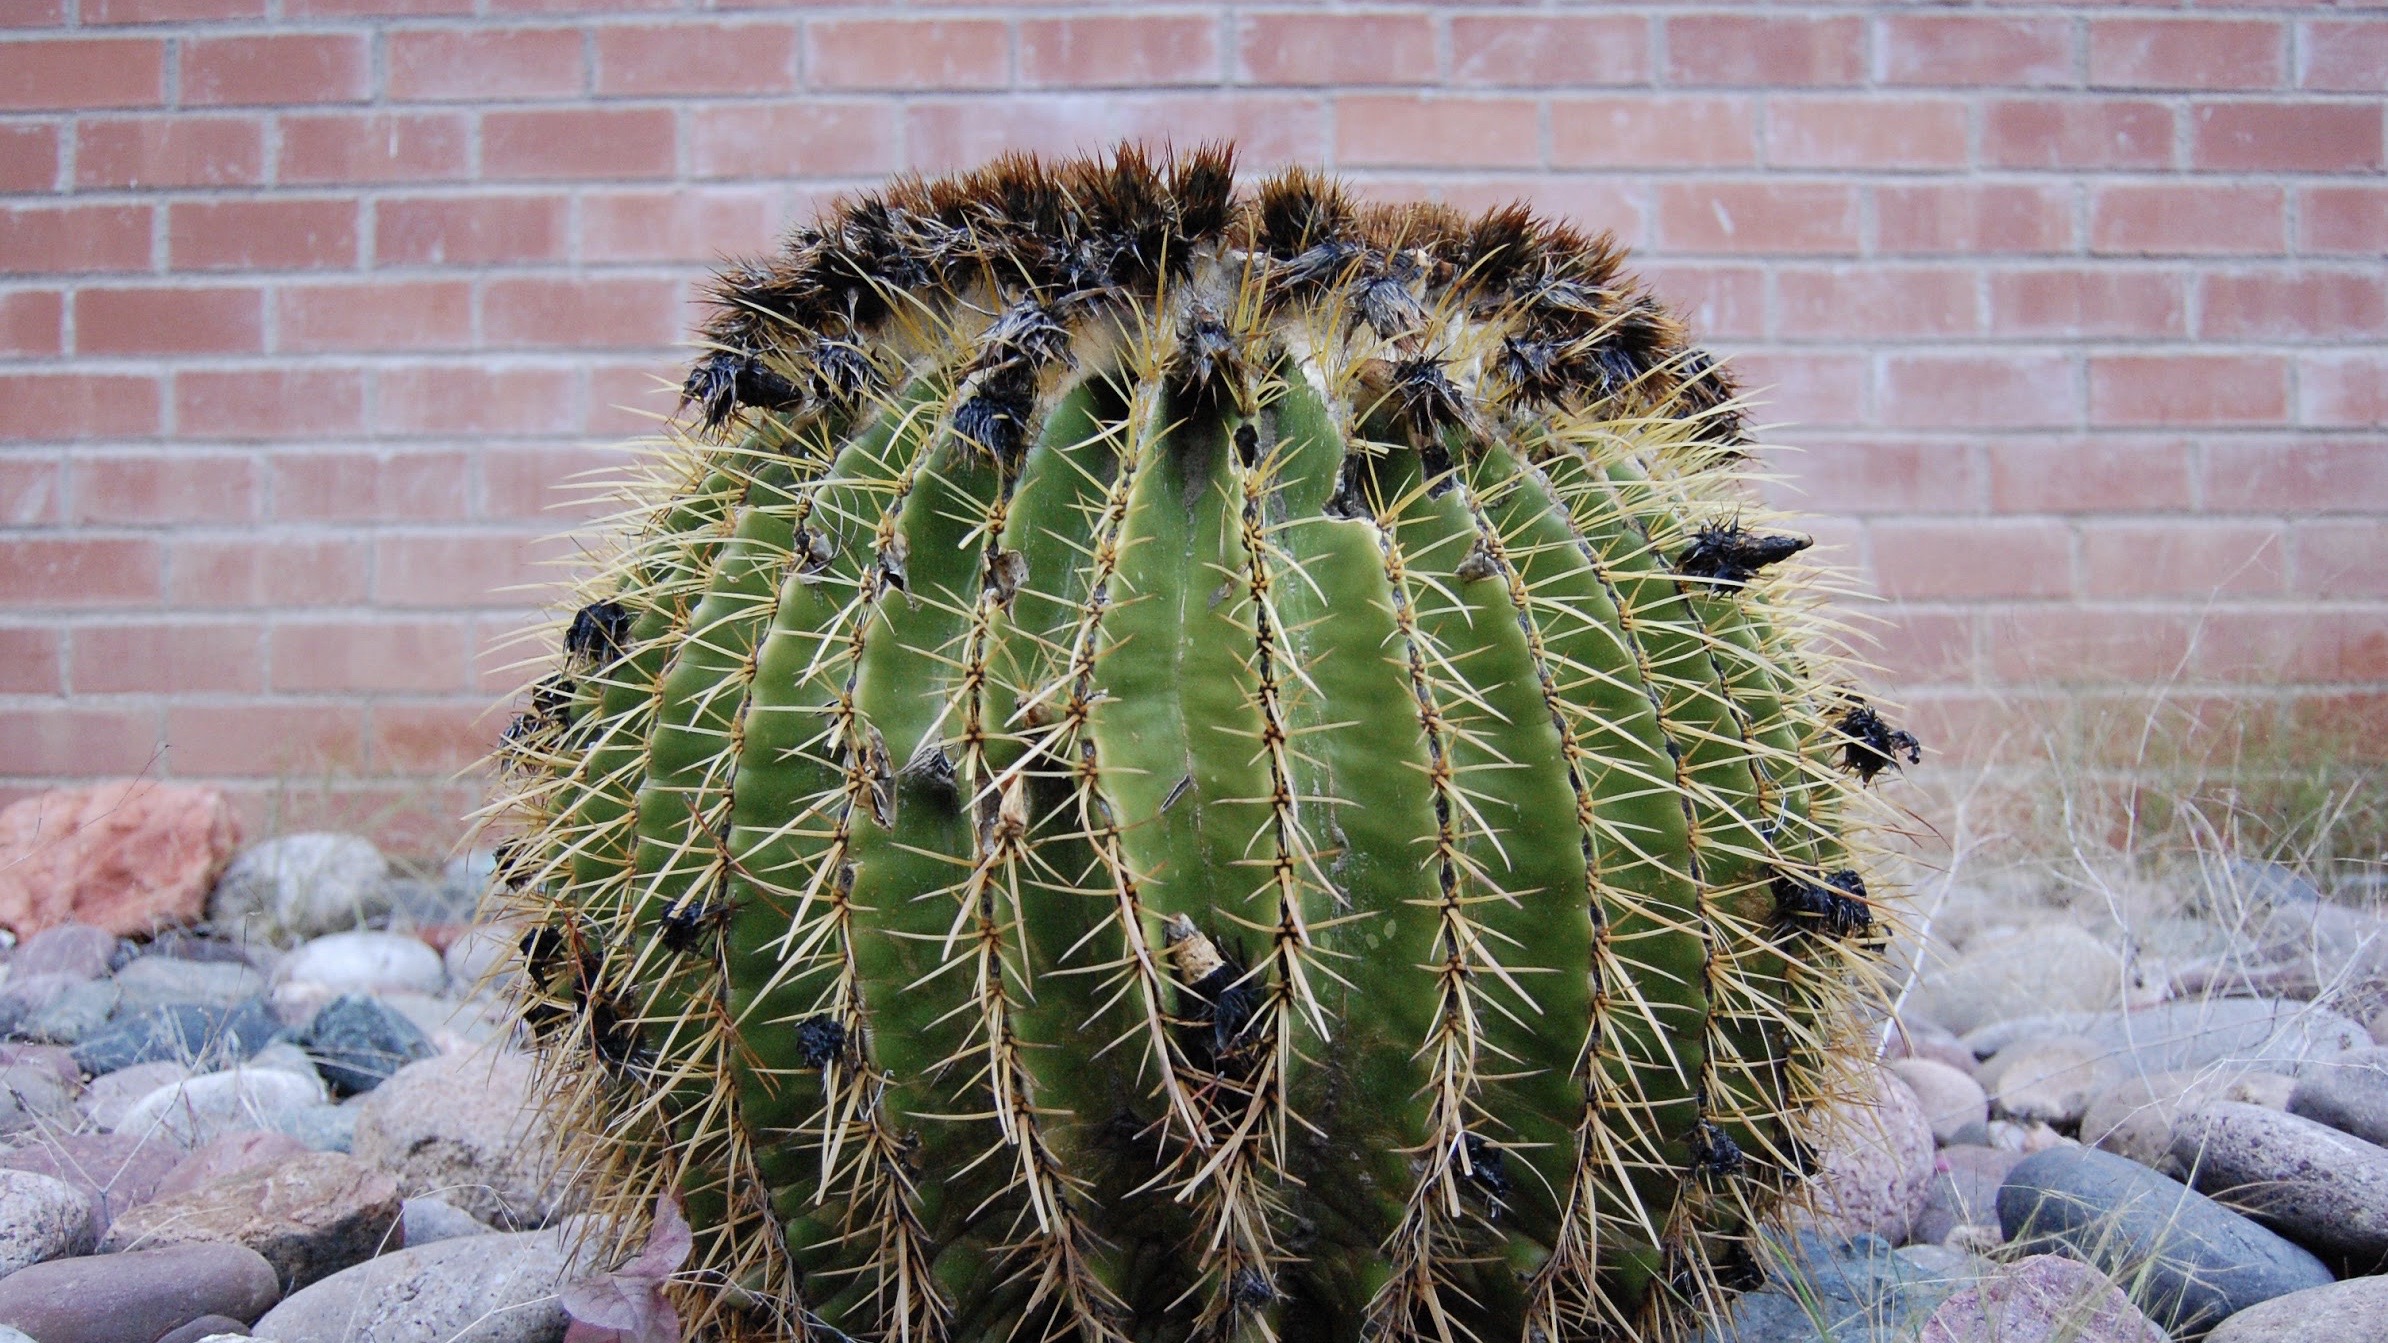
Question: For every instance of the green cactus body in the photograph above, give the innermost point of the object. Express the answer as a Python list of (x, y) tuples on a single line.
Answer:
[(1171, 764)]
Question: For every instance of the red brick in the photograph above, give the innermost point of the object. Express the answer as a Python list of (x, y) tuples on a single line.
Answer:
[(79, 571), (170, 321), (471, 230), (348, 656), (411, 486), (2187, 53), (2347, 389), (2333, 559), (1875, 301), (1639, 131), (2343, 219), (75, 237), (907, 54), (32, 489), (2090, 475), (1757, 217), (265, 740), (159, 657), (626, 398), (533, 483), (2184, 558), (1763, 51), (53, 406), (70, 741), (1801, 388), (262, 234), (1969, 218), (2286, 137), (1949, 49), (2164, 219), (31, 321), (459, 568), (1303, 49), (313, 68), (2301, 477), (2088, 302), (374, 147), (781, 140), (476, 398), (1120, 51), (2188, 389), (953, 133), (1401, 130), (168, 11), (2074, 645), (427, 738), (1921, 647), (268, 403), (485, 64), (385, 315), (25, 14), (1857, 477), (29, 660), (582, 313), (177, 486), (1952, 558), (1979, 390), (268, 570), (407, 8), (1865, 133), (694, 224), (2077, 133), (2292, 645), (681, 58), (28, 157), (57, 74), (170, 152), (2293, 305), (578, 142), (1519, 51), (2348, 57), (1713, 300)]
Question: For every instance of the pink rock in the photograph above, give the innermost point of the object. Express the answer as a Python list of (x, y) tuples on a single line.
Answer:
[(229, 1155), (2044, 1299), (128, 857), (118, 1172)]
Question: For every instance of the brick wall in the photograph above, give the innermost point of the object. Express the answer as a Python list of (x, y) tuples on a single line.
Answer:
[(2074, 311)]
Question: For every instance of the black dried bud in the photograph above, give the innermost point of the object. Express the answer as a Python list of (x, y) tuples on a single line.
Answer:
[(600, 632), (820, 1040), (1251, 1289), (1349, 499), (1209, 362), (1869, 745), (842, 372), (683, 926), (1713, 1151), (1836, 905), (997, 428), (1487, 1168), (1388, 306), (551, 699), (722, 382), (1729, 555), (1426, 395)]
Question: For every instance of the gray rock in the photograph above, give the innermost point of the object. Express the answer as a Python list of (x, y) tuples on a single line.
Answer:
[(113, 1173), (483, 956), (422, 902), (454, 1026), (363, 962), (310, 1215), (8, 1335), (357, 1043), (427, 1219), (172, 1033), (1964, 1191), (2046, 1081), (1826, 1290), (208, 1106), (75, 951), (2349, 1093), (2353, 1311), (110, 1298), (2053, 968), (2324, 1189), (2046, 1298), (1945, 1263), (486, 1289), (323, 1128), (202, 1329), (40, 1219), (470, 870), (33, 1099), (462, 1126), (1953, 1102), (2186, 1260), (301, 886), (154, 981), (105, 1101), (1916, 1037), (287, 1057), (75, 1012), (2134, 1116), (2248, 1033)]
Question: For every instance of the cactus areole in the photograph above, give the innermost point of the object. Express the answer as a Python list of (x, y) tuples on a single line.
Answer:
[(1167, 761)]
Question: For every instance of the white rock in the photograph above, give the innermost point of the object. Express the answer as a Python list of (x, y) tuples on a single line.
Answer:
[(479, 1289), (2054, 968), (484, 955), (462, 1126), (152, 981), (110, 1095), (366, 963), (194, 1111), (1952, 1101), (298, 886), (2047, 1081), (40, 1219)]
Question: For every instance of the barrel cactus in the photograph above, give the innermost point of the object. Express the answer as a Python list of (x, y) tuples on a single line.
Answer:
[(1157, 760)]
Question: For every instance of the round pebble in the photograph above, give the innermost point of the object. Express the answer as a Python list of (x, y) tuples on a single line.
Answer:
[(2354, 1311), (362, 962), (1874, 1164), (1953, 1102), (204, 1107), (40, 1219), (2324, 1189)]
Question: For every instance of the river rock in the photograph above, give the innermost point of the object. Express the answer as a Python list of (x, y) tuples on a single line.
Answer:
[(229, 1155), (73, 1013), (109, 1095), (483, 957), (40, 1219), (310, 1215), (2045, 1298), (33, 1099), (2053, 968), (154, 981), (112, 1172), (1953, 1102), (454, 1025), (1964, 1191), (463, 1126), (357, 1043), (170, 1033), (111, 1298), (2186, 1260), (207, 1329), (2324, 1189), (1916, 1037), (427, 1219), (70, 951), (192, 1112), (2046, 1081), (2134, 1116), (2349, 1093), (1874, 1164), (361, 962), (127, 857), (1826, 1290), (301, 886), (485, 1289), (2353, 1311)]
